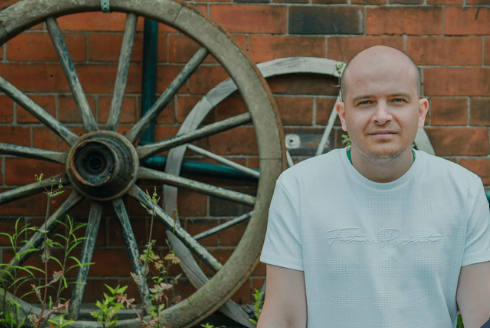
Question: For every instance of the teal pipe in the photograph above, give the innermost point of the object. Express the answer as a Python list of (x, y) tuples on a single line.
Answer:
[(149, 76)]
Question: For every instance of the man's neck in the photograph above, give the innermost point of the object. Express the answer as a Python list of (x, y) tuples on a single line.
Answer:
[(384, 170)]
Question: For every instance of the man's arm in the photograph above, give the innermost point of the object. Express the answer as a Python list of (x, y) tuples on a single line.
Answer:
[(473, 295), (285, 299)]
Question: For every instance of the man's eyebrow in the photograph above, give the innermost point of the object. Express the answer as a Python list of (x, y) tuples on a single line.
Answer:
[(396, 94)]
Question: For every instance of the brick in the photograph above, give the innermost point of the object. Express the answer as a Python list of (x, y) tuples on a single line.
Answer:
[(106, 47), (165, 132), (222, 255), (265, 48), (250, 18), (459, 21), (478, 2), (232, 235), (219, 207), (243, 294), (486, 55), (44, 138), (95, 289), (344, 48), (139, 227), (251, 1), (295, 110), (206, 78), (459, 142), (445, 51), (369, 2), (186, 104), (449, 111), (324, 107), (167, 116), (39, 47), (51, 78), (68, 111), (456, 81), (400, 20), (6, 109), (21, 171), (110, 263), (96, 21), (15, 135), (329, 2), (304, 84), (237, 141), (480, 111), (326, 20), (28, 206), (479, 166), (45, 102), (128, 110), (445, 2), (7, 225), (166, 74), (407, 2), (196, 226), (230, 107), (192, 203)]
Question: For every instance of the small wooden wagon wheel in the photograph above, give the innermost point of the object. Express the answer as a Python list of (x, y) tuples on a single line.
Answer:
[(103, 165)]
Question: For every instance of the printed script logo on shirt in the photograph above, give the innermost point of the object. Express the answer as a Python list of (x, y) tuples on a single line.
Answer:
[(383, 237)]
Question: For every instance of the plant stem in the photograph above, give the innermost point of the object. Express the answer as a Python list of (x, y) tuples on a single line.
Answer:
[(45, 263), (65, 258)]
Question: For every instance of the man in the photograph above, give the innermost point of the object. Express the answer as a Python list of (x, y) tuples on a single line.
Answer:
[(377, 234)]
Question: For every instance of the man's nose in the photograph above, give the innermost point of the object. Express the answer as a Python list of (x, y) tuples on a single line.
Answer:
[(382, 114)]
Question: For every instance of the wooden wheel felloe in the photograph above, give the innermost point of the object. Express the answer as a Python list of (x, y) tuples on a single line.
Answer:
[(103, 165)]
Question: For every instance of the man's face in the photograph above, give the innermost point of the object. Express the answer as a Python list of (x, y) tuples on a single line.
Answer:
[(382, 111)]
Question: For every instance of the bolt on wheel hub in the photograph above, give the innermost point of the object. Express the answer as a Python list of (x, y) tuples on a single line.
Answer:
[(102, 165)]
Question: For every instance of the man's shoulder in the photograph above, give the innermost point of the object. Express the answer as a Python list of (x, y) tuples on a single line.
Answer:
[(313, 166), (444, 168)]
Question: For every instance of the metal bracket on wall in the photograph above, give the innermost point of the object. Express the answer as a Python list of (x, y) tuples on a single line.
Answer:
[(104, 4)]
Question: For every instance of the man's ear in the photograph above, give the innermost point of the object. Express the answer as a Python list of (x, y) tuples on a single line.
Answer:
[(340, 107), (423, 109)]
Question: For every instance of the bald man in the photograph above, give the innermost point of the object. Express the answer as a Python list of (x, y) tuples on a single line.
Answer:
[(378, 234)]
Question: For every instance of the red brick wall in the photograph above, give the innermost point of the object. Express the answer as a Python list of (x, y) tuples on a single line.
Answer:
[(447, 38)]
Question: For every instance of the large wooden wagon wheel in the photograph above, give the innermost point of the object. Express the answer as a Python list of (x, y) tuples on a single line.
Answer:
[(103, 165)]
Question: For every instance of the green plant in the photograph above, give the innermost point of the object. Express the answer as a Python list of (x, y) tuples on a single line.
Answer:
[(257, 305), (109, 307), (12, 277), (346, 140)]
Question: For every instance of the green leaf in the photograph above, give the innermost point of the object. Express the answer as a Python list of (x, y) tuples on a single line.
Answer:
[(61, 236)]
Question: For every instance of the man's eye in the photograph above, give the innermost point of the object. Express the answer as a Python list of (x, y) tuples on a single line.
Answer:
[(365, 102), (399, 100)]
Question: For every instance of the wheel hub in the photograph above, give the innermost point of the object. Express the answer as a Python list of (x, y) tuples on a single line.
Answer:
[(102, 165)]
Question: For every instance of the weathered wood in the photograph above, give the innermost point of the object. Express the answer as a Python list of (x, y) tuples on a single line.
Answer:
[(39, 113), (328, 128), (202, 188), (167, 95), (224, 226), (206, 131), (201, 252), (85, 257), (122, 73), (28, 152), (71, 75), (132, 248), (52, 223), (223, 160), (30, 189)]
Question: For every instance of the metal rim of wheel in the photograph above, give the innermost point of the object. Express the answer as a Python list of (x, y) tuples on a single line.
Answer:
[(103, 146)]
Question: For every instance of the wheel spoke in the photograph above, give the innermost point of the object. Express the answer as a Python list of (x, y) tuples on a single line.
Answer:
[(132, 247), (224, 226), (71, 75), (328, 128), (30, 189), (51, 224), (122, 73), (28, 152), (225, 161), (38, 112), (167, 95), (230, 123), (85, 257), (203, 188), (201, 252)]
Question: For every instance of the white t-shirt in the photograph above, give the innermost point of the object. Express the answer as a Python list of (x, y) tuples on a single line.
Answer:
[(378, 255)]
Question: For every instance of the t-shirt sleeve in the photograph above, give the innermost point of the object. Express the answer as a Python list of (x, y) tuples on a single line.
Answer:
[(282, 245), (477, 246)]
